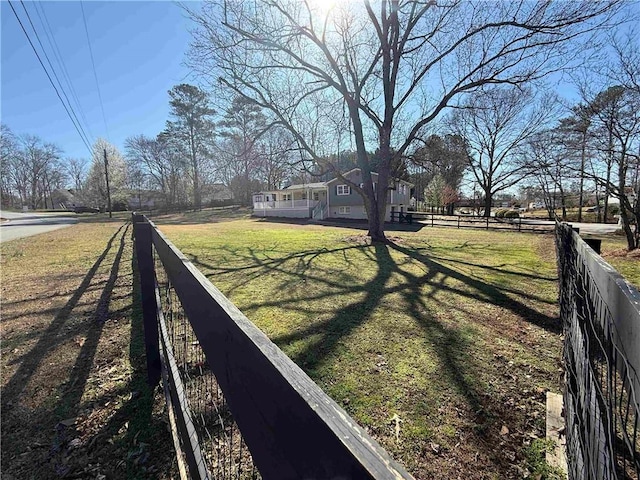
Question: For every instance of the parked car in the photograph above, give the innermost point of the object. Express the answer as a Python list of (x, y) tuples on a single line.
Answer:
[(85, 210)]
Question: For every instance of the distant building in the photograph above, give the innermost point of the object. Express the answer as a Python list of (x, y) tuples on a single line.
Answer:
[(215, 192)]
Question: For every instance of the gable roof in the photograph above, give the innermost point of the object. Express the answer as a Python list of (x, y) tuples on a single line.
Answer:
[(300, 186), (347, 173), (372, 173)]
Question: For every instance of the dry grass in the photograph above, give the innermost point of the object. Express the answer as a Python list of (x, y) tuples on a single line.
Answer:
[(74, 399)]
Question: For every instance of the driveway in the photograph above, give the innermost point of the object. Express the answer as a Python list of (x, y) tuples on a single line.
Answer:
[(585, 228), (18, 225)]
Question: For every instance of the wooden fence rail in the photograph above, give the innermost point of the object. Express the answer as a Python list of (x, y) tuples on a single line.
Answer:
[(470, 221), (292, 429)]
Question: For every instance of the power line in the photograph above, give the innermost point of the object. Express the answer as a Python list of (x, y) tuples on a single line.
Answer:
[(95, 75), (78, 129), (24, 7), (59, 58)]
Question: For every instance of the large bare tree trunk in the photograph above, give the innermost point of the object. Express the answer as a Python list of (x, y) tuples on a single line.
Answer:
[(487, 203)]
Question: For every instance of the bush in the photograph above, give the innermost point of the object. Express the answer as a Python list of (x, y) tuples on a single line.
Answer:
[(119, 206), (500, 213), (511, 214)]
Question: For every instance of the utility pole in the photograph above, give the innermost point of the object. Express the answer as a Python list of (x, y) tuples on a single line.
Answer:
[(106, 174)]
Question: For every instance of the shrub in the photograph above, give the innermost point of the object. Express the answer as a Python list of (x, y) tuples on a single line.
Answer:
[(119, 206), (500, 213), (511, 214)]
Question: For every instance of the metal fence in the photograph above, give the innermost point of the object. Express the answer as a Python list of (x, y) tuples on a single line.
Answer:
[(239, 408), (600, 312)]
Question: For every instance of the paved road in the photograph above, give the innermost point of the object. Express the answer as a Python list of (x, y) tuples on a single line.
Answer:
[(21, 225), (585, 228)]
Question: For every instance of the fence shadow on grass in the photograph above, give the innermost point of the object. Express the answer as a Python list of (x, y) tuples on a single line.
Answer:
[(47, 340), (146, 440), (77, 381)]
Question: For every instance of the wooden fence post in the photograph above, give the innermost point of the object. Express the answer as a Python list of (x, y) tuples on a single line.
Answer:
[(144, 255)]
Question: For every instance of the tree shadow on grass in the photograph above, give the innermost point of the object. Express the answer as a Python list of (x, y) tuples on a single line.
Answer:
[(451, 346), (484, 291)]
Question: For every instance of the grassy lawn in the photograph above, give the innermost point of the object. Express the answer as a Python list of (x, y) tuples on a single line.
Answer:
[(74, 398), (442, 345), (614, 251)]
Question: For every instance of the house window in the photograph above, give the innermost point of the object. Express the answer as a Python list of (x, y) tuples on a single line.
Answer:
[(403, 189), (343, 190), (344, 210), (286, 196), (304, 196), (316, 196)]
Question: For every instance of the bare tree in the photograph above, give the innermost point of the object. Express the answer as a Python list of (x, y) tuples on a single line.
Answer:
[(31, 168), (496, 123), (158, 162), (77, 170), (379, 73), (552, 168), (8, 153), (616, 114)]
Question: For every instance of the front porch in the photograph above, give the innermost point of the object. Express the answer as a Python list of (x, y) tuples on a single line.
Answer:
[(294, 202)]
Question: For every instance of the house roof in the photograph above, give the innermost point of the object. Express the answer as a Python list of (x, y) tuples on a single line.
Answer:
[(357, 169), (301, 186)]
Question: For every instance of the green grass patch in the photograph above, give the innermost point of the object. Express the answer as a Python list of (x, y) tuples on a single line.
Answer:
[(538, 465), (614, 252), (433, 343)]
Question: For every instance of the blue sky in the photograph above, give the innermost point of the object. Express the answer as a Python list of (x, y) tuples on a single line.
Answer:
[(138, 48)]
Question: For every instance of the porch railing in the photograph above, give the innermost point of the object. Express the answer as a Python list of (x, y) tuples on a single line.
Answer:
[(285, 204), (319, 211)]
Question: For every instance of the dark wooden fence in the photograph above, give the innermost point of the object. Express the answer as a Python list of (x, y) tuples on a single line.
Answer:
[(241, 407), (471, 221), (600, 314)]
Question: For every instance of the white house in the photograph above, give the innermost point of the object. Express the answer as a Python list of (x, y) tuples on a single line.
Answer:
[(331, 199)]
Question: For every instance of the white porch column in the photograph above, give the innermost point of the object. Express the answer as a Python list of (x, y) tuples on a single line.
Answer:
[(307, 198)]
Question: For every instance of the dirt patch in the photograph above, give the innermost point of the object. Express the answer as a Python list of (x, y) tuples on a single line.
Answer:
[(366, 239), (622, 253)]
